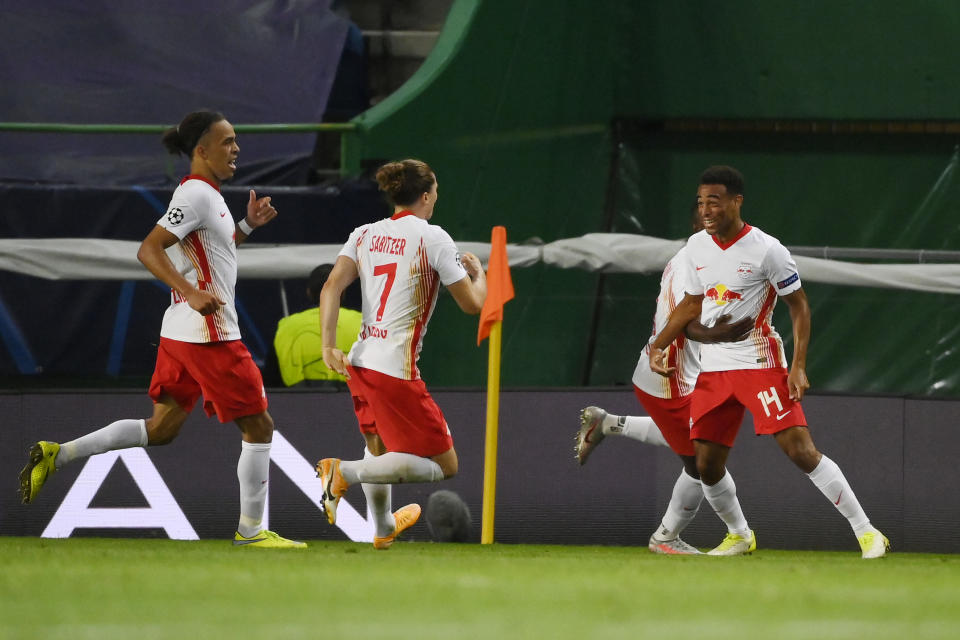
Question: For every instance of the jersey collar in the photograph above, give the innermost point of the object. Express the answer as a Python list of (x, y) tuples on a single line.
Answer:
[(726, 245), (401, 214), (196, 177)]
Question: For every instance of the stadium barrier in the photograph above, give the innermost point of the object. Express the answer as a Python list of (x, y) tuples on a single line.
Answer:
[(102, 259), (890, 448)]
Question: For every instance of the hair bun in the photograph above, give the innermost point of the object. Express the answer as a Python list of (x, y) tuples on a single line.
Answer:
[(405, 181)]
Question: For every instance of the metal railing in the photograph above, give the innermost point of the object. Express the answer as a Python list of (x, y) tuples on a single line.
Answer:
[(63, 127)]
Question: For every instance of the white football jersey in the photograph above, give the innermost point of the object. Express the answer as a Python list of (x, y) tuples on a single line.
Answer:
[(742, 278), (402, 260), (206, 255), (684, 353)]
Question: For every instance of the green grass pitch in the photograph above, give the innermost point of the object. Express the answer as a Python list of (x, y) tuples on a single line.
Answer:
[(143, 589)]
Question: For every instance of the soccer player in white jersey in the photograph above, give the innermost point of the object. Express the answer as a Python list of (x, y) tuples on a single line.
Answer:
[(739, 270), (200, 349), (401, 262), (667, 402)]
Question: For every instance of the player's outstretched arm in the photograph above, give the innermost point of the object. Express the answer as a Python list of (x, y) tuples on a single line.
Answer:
[(343, 273), (153, 255), (685, 312), (799, 307), (470, 292), (722, 331)]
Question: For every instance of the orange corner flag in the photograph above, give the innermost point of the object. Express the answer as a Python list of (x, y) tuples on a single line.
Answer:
[(499, 283)]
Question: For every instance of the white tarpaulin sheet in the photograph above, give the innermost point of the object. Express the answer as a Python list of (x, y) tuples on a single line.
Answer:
[(96, 259)]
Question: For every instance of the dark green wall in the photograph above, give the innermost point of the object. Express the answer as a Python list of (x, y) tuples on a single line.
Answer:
[(853, 191), (511, 112), (813, 59), (514, 110)]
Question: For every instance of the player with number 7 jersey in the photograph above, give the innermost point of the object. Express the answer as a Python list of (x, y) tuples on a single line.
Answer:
[(401, 262)]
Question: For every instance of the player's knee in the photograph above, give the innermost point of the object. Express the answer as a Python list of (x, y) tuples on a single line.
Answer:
[(804, 456), (257, 428), (799, 447), (690, 466), (448, 462), (374, 444), (160, 432), (710, 471), (156, 440), (450, 469)]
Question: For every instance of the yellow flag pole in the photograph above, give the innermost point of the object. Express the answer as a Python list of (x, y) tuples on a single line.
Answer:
[(490, 449)]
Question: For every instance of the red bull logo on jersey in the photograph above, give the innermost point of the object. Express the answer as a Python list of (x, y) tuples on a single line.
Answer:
[(722, 295)]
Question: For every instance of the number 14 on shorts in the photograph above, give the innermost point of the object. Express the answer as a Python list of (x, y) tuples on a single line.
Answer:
[(771, 397)]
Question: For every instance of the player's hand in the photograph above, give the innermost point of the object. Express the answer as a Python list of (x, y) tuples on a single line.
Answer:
[(203, 302), (723, 331), (336, 360), (797, 383), (472, 265), (658, 362), (259, 211)]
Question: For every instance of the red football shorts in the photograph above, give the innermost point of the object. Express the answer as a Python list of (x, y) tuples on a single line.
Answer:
[(720, 398), (223, 372), (401, 412), (672, 417)]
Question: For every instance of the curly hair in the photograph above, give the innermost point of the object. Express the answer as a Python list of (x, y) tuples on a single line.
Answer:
[(727, 176)]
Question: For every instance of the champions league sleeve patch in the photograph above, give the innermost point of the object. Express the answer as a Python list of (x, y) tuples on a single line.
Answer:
[(783, 284), (175, 216)]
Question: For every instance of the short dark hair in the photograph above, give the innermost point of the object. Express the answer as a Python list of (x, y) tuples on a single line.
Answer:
[(727, 176), (316, 281), (184, 137)]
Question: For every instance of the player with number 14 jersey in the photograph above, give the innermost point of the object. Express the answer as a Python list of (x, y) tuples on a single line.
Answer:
[(742, 278)]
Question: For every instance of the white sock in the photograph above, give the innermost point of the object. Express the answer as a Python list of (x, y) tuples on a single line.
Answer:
[(391, 468), (723, 498), (684, 504), (121, 434), (253, 472), (378, 503), (638, 428), (830, 480)]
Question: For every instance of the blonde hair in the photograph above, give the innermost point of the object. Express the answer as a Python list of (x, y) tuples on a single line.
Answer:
[(405, 181)]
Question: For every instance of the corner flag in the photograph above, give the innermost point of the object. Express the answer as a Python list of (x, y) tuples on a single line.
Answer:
[(499, 291), (499, 283)]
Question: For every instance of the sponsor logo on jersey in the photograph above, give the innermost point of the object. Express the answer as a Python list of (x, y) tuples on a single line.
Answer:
[(372, 331), (721, 294), (175, 216), (789, 281)]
